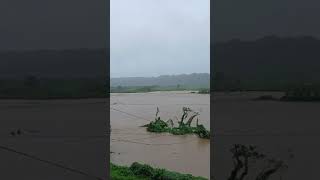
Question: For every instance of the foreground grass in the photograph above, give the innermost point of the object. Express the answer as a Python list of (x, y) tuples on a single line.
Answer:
[(139, 171)]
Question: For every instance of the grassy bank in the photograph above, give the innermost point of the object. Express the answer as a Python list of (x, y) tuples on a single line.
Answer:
[(139, 171)]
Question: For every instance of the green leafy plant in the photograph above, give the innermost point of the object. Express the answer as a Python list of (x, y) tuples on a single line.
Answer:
[(184, 125), (139, 171)]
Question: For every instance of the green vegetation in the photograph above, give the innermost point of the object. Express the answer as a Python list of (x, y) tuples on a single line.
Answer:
[(183, 82), (223, 82), (268, 63), (184, 127), (204, 91), (266, 98), (139, 171), (35, 88), (301, 92), (144, 89), (198, 80), (307, 92)]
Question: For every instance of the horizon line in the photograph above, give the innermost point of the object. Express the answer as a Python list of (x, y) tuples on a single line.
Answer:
[(159, 75)]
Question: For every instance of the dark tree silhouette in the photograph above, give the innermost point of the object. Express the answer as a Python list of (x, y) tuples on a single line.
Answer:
[(241, 157), (244, 155)]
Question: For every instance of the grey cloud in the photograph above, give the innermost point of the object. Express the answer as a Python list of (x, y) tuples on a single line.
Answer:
[(152, 37)]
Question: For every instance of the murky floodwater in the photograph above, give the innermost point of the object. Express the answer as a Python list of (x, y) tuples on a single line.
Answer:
[(130, 143), (283, 130), (68, 132)]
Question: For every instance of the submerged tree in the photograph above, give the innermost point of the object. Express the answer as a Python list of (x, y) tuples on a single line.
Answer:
[(185, 110), (195, 114), (159, 125), (241, 157), (272, 167), (244, 155)]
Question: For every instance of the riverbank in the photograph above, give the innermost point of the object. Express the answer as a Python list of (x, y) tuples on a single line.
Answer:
[(144, 89), (139, 171)]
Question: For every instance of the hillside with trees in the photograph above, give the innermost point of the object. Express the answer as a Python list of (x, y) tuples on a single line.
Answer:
[(195, 80), (269, 63)]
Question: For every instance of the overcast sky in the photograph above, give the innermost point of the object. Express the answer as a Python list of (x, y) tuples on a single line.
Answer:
[(52, 24), (159, 37), (252, 19)]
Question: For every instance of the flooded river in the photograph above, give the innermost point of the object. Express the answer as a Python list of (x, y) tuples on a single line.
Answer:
[(69, 132), (288, 131), (285, 130), (131, 143)]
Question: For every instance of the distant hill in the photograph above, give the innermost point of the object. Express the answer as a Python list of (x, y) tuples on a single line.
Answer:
[(267, 63), (188, 80), (69, 63), (45, 74)]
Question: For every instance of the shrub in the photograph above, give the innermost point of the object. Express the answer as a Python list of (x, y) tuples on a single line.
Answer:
[(159, 126), (139, 171)]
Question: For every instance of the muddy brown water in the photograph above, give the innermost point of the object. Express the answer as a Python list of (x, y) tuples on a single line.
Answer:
[(278, 128), (283, 130), (68, 132), (131, 143)]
